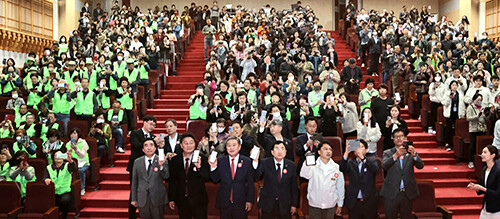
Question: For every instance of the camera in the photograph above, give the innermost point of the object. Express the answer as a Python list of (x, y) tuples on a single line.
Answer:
[(406, 144)]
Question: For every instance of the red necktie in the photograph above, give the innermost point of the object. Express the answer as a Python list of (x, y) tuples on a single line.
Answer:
[(278, 172), (232, 176)]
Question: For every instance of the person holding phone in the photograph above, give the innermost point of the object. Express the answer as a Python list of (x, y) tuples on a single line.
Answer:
[(198, 103), (59, 173), (21, 172), (80, 149), (216, 109), (325, 191), (52, 144), (247, 141), (6, 129), (125, 95), (210, 142), (369, 131), (5, 163), (393, 122), (299, 116), (170, 142), (188, 174), (361, 197), (279, 195), (23, 143), (453, 109), (400, 187), (61, 101), (328, 112)]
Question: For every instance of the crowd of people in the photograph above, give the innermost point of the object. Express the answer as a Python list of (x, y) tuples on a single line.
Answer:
[(271, 75)]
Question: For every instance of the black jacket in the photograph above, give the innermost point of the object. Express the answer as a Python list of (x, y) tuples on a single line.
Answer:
[(364, 180), (137, 138), (195, 181), (492, 194), (267, 142)]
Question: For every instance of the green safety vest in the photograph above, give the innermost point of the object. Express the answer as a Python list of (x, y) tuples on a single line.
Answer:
[(132, 76), (30, 131), (63, 48), (195, 112), (69, 78), (62, 181), (27, 80), (119, 69), (5, 171), (143, 74), (5, 133), (417, 61), (45, 129), (154, 25), (120, 115), (46, 73), (60, 104), (18, 118), (314, 99), (10, 85), (84, 106), (251, 96), (267, 99), (365, 95), (33, 98), (22, 180), (103, 101), (15, 148), (126, 100), (92, 78), (74, 155)]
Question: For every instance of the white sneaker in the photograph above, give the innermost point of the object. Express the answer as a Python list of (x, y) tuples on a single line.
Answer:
[(471, 165), (82, 192), (406, 106), (363, 65), (448, 149), (120, 150)]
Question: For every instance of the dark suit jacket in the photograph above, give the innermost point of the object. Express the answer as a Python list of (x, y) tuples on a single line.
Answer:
[(364, 180), (267, 142), (195, 181), (242, 185), (149, 185), (286, 191), (394, 175), (178, 150), (300, 152), (492, 194), (136, 140), (247, 143), (375, 48)]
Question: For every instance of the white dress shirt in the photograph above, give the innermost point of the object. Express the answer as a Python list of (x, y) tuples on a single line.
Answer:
[(173, 142), (146, 161)]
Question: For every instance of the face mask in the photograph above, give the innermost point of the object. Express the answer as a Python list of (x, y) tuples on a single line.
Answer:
[(220, 130), (119, 40), (437, 79), (18, 138), (77, 83), (120, 58), (478, 103), (316, 88), (290, 78), (106, 49), (99, 121), (63, 40), (15, 96), (199, 90)]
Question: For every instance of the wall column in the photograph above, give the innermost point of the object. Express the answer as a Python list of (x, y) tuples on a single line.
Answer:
[(482, 17)]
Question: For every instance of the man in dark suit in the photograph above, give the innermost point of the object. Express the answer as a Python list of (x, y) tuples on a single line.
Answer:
[(361, 195), (247, 141), (97, 12), (352, 75), (305, 143), (137, 138), (267, 140), (235, 174), (279, 196), (186, 186), (375, 45), (147, 192), (400, 187), (172, 144)]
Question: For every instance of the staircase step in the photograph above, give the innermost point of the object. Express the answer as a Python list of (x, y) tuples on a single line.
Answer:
[(106, 198), (434, 153), (422, 136), (115, 173), (439, 161), (171, 79), (444, 171), (470, 209), (105, 212), (451, 182)]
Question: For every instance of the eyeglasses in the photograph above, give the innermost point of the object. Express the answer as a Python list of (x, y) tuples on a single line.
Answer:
[(399, 136)]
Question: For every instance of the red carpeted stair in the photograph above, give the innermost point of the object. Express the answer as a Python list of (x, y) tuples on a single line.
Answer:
[(111, 201)]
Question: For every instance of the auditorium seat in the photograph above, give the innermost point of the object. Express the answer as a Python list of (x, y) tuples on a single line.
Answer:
[(425, 111), (76, 188), (379, 178), (40, 202), (461, 139), (440, 125), (39, 144), (424, 206), (10, 199), (336, 143), (197, 127), (95, 163), (40, 164), (83, 126)]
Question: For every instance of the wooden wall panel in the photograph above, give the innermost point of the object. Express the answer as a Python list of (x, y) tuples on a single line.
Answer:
[(31, 17)]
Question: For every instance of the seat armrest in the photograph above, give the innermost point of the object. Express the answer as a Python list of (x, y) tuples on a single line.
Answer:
[(447, 214), (14, 212), (300, 213), (52, 213), (76, 187), (457, 144), (95, 165)]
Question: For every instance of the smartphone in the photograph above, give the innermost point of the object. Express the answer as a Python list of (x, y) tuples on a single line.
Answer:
[(214, 127), (161, 154), (255, 152), (332, 99), (196, 156), (263, 116), (406, 144), (60, 85), (389, 118), (213, 156), (162, 136), (63, 156), (310, 159), (397, 96), (353, 144), (101, 85), (231, 128), (365, 118), (280, 78), (340, 107), (73, 141)]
